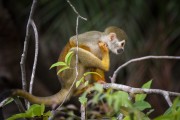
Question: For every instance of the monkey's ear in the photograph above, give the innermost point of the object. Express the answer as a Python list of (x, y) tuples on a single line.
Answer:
[(112, 36)]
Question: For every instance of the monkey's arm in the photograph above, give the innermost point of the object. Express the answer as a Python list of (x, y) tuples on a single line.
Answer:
[(90, 60), (105, 54)]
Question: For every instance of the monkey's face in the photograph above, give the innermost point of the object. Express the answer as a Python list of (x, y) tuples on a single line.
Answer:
[(115, 45)]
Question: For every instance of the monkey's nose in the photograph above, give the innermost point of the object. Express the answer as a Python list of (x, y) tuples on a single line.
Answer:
[(119, 51)]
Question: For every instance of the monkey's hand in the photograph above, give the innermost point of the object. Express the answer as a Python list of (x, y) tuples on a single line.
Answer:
[(105, 54), (103, 47)]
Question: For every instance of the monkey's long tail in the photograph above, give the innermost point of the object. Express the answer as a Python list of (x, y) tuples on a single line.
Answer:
[(48, 101)]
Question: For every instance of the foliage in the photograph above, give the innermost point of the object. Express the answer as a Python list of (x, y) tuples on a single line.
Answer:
[(65, 65), (141, 97), (120, 102), (82, 80), (117, 102), (35, 110), (172, 113)]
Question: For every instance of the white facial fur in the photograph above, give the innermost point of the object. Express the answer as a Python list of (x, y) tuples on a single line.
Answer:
[(115, 45)]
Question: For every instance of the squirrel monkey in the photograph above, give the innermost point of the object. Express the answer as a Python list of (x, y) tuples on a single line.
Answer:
[(93, 55)]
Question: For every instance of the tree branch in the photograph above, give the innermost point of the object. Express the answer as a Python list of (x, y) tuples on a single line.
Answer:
[(113, 78), (132, 90), (83, 112), (35, 56), (26, 41), (74, 9), (19, 105)]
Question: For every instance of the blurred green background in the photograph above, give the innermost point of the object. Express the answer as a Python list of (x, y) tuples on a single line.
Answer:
[(152, 26)]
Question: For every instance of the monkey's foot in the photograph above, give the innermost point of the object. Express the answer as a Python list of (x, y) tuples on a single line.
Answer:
[(101, 82)]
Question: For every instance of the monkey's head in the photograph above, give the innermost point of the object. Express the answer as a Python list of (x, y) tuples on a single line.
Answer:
[(115, 39)]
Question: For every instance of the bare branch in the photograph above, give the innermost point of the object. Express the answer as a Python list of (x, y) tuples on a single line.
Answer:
[(113, 79), (4, 102), (83, 112), (24, 55), (120, 116), (133, 90), (74, 9), (167, 98), (35, 56), (19, 104), (76, 67)]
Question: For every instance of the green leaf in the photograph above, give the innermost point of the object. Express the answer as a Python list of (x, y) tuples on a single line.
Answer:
[(68, 57), (165, 117), (172, 113), (62, 69), (113, 118), (57, 64), (34, 110), (125, 110), (86, 83), (141, 105), (127, 118), (120, 99), (147, 85), (168, 111), (42, 109), (48, 114), (83, 99), (141, 97), (96, 98), (79, 82), (87, 73), (17, 116)]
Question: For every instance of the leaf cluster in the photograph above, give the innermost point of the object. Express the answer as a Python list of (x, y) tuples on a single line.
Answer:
[(35, 110), (65, 65), (119, 102)]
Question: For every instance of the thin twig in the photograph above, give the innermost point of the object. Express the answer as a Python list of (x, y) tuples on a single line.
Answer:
[(132, 90), (113, 78), (76, 67), (24, 55), (83, 112), (19, 104), (4, 102), (74, 9), (35, 56), (120, 116)]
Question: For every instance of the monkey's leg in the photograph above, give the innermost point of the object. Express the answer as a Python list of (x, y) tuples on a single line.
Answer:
[(90, 60)]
